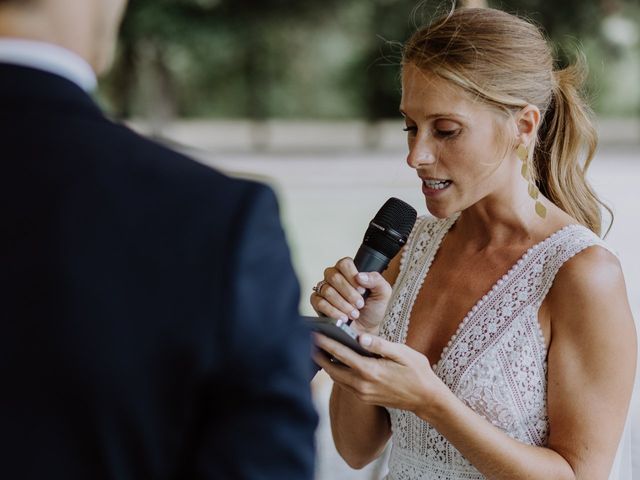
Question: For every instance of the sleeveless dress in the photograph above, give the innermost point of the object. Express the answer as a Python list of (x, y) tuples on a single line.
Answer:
[(495, 362)]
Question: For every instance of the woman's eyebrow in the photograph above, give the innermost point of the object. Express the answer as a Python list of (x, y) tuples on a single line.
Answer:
[(439, 114)]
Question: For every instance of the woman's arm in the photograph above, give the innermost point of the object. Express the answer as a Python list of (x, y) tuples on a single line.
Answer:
[(592, 360), (360, 431), (591, 367)]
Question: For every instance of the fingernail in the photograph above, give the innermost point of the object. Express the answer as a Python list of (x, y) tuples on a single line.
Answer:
[(363, 277), (355, 314), (361, 290), (360, 303), (366, 340), (341, 320)]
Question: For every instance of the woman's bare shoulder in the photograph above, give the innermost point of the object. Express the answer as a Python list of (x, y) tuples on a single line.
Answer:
[(593, 271), (589, 294)]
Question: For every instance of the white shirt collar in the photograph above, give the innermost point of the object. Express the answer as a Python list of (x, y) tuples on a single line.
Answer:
[(50, 58)]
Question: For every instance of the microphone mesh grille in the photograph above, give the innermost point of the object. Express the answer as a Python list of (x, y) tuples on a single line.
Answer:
[(395, 215)]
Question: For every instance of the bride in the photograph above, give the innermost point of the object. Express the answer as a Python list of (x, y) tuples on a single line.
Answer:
[(508, 342)]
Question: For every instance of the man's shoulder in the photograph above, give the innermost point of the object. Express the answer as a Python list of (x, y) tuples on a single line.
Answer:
[(170, 171), (140, 152), (151, 177)]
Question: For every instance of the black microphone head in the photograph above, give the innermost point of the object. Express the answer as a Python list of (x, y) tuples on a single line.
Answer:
[(390, 228)]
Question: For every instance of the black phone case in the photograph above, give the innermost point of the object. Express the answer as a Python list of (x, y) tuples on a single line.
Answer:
[(340, 332)]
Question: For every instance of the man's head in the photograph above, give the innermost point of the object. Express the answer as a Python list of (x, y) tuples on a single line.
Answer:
[(87, 27)]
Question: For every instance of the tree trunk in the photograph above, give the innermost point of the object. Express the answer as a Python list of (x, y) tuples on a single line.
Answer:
[(160, 98)]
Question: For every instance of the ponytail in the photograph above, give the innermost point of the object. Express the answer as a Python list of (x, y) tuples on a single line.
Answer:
[(567, 141), (506, 62)]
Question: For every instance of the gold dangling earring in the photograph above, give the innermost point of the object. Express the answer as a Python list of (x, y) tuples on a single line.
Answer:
[(523, 155)]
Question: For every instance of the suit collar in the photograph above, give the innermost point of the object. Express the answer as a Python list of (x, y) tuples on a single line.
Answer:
[(48, 57), (26, 87)]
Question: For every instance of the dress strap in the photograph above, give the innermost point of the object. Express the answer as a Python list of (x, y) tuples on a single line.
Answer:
[(409, 250), (569, 242)]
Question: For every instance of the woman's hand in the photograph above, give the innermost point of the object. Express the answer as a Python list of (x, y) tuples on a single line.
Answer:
[(402, 379), (341, 296)]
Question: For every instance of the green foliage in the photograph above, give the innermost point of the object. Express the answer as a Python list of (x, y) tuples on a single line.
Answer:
[(318, 59)]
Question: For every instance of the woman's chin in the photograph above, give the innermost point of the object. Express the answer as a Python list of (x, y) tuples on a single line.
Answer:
[(440, 211)]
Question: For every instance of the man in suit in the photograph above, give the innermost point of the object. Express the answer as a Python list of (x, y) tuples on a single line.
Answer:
[(148, 304)]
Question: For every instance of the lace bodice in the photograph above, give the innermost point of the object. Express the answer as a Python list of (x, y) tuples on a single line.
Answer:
[(495, 362)]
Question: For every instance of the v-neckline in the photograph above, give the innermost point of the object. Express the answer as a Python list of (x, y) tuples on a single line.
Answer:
[(483, 299)]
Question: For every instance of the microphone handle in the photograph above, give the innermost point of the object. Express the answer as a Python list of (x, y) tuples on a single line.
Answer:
[(369, 260)]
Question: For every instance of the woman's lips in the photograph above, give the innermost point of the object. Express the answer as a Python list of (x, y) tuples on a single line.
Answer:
[(432, 188)]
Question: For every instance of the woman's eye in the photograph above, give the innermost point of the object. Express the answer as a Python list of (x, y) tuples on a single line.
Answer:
[(412, 130), (444, 128), (447, 133)]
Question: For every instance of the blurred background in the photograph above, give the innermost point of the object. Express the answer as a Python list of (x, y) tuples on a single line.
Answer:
[(304, 95)]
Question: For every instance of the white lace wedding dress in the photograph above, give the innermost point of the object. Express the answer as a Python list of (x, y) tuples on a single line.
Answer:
[(496, 361)]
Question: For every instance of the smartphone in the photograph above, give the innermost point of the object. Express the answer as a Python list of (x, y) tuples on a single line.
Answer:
[(340, 332)]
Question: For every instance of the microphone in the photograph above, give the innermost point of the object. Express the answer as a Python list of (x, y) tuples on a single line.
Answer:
[(386, 235)]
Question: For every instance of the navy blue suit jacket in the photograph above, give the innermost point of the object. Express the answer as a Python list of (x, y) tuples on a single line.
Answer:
[(149, 322)]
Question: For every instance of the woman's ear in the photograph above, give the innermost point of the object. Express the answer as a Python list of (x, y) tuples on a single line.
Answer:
[(527, 122)]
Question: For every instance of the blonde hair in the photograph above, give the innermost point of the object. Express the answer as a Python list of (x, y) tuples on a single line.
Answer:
[(506, 62)]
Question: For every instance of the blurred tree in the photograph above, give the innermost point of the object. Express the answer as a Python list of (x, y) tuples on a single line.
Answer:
[(614, 62), (390, 23), (259, 59), (158, 37), (564, 22), (572, 17)]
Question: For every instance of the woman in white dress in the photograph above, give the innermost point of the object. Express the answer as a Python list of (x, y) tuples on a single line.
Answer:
[(508, 342)]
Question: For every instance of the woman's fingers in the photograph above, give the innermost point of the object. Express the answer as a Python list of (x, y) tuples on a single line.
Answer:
[(340, 374), (355, 373), (375, 283), (340, 352), (393, 351), (343, 278), (337, 371), (339, 296), (322, 306), (348, 269), (335, 298)]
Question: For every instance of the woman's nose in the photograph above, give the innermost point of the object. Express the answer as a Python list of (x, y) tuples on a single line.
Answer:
[(420, 154)]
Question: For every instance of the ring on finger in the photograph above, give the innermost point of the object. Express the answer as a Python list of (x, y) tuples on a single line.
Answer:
[(318, 287)]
